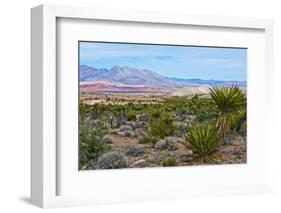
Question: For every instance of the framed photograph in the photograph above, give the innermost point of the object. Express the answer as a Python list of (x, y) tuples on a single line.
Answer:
[(131, 106)]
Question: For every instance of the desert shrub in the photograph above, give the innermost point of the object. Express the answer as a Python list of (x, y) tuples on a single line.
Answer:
[(131, 115), (135, 150), (194, 103), (204, 113), (84, 111), (139, 107), (169, 143), (154, 114), (204, 141), (176, 103), (92, 142), (169, 161), (111, 160), (160, 124), (203, 109), (195, 99), (236, 120), (147, 139)]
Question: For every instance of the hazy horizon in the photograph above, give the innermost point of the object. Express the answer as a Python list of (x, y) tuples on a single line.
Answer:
[(158, 73), (184, 62)]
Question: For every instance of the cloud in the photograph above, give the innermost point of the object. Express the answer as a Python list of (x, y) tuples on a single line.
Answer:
[(163, 57)]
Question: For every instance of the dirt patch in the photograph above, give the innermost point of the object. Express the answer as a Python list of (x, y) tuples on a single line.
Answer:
[(234, 153)]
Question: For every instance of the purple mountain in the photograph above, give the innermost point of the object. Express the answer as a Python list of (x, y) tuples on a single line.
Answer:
[(132, 76)]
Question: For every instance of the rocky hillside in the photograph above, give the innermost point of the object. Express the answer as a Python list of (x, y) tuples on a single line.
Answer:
[(127, 76), (145, 78)]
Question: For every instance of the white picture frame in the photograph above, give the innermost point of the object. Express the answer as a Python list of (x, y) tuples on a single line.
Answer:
[(44, 154)]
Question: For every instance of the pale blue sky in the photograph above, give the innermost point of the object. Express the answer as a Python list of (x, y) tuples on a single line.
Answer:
[(171, 61)]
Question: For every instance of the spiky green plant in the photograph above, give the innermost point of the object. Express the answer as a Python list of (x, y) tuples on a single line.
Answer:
[(228, 101), (204, 141)]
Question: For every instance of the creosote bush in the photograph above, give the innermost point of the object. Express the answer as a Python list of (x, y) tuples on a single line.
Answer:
[(169, 161), (131, 115), (160, 125), (203, 109)]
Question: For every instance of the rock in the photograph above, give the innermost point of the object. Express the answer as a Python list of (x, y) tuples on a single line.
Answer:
[(243, 130), (180, 140), (171, 140), (189, 113), (186, 157), (120, 133), (191, 117), (189, 125), (138, 163), (124, 128), (235, 141), (92, 163), (115, 124), (84, 167), (142, 117), (111, 160), (129, 133), (121, 122), (156, 159), (134, 125), (135, 150), (139, 131), (107, 139), (181, 126), (166, 143), (181, 117), (171, 154), (161, 144), (83, 158), (231, 140)]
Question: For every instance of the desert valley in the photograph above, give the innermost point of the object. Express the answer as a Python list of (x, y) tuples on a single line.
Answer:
[(136, 118)]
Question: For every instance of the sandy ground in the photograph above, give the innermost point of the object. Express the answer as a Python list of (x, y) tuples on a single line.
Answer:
[(234, 153)]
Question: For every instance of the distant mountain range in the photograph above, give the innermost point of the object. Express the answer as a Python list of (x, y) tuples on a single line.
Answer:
[(128, 76), (211, 82), (120, 79)]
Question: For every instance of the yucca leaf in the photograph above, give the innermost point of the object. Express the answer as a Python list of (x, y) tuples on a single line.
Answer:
[(204, 141)]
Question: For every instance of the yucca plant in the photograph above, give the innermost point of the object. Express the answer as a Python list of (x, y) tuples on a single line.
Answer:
[(204, 141), (228, 101)]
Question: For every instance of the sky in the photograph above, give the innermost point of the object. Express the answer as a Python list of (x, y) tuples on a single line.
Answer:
[(184, 62)]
